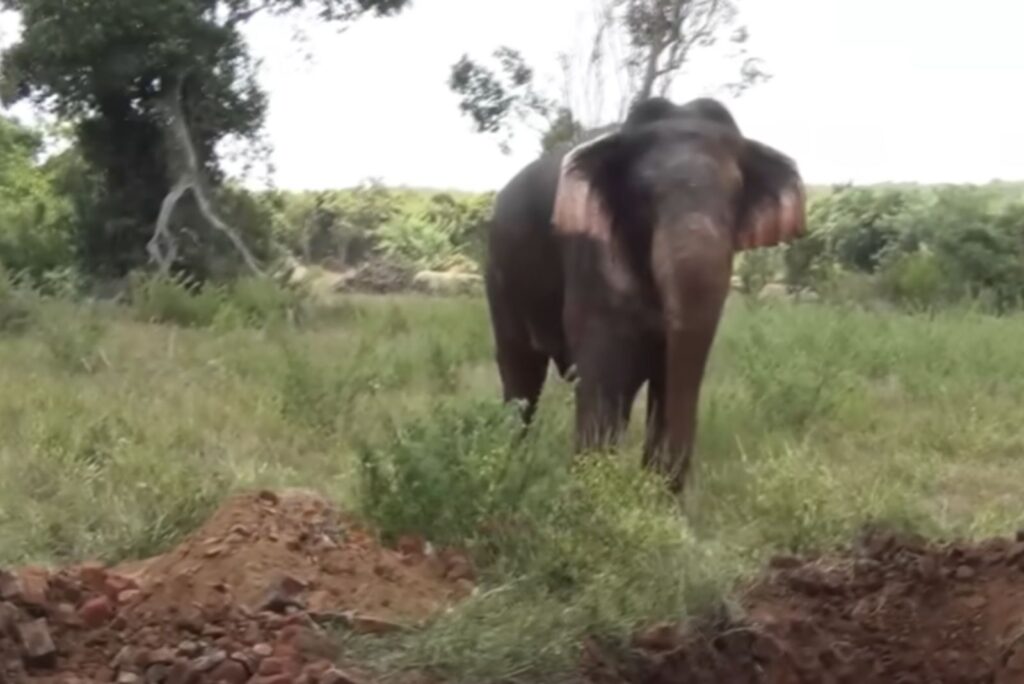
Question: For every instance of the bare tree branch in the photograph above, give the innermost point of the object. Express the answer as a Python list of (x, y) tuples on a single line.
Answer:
[(162, 233), (185, 165)]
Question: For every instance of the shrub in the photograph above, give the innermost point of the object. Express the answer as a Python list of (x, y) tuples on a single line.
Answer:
[(16, 313), (917, 280), (261, 301), (172, 299), (594, 548)]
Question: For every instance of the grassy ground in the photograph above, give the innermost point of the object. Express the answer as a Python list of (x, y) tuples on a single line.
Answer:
[(121, 435)]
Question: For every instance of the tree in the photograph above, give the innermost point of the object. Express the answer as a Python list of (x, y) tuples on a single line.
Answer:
[(650, 41), (33, 216), (153, 86)]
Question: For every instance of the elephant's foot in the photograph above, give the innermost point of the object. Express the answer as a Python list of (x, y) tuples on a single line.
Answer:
[(673, 468)]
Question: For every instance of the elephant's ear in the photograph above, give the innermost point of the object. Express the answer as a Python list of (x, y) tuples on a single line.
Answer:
[(581, 201), (773, 206)]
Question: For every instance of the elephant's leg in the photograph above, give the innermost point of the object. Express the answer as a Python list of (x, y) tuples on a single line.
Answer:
[(522, 368), (611, 371), (655, 436), (523, 371)]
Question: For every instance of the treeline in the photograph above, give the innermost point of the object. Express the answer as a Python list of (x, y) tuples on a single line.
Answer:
[(915, 246), (51, 221)]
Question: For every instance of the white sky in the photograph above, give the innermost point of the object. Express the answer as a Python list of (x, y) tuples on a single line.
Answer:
[(863, 90)]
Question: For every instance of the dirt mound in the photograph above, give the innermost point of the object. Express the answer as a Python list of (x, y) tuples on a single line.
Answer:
[(896, 610), (244, 599)]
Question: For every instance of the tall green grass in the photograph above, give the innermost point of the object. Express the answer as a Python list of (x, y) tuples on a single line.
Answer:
[(124, 426)]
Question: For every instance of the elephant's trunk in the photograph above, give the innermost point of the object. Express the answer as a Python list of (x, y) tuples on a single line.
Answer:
[(692, 265)]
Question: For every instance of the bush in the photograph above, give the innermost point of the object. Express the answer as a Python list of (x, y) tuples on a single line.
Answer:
[(452, 476), (16, 312), (171, 299), (575, 550), (246, 302), (916, 281), (259, 301)]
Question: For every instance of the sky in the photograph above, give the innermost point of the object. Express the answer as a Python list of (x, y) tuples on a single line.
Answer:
[(862, 91)]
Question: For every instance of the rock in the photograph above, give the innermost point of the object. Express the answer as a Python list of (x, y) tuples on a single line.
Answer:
[(95, 612), (976, 602), (272, 666), (263, 650), (784, 562), (128, 596), (93, 575), (160, 656), (10, 586), (128, 656), (268, 497), (210, 661), (37, 644), (411, 545), (213, 631), (336, 676), (34, 583), (116, 584), (250, 662), (661, 637), (774, 291), (332, 618), (459, 568), (368, 624), (182, 672), (190, 624), (229, 672), (65, 614), (26, 587), (10, 616), (284, 594), (128, 677), (157, 674), (316, 669), (251, 634), (189, 649), (965, 572), (445, 283), (273, 679)]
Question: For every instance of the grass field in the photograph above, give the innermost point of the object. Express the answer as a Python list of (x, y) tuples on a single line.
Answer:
[(120, 436)]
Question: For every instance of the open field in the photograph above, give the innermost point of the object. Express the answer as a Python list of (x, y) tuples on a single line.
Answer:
[(122, 436)]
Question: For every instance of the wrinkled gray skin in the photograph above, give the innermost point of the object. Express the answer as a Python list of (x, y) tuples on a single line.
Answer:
[(680, 186)]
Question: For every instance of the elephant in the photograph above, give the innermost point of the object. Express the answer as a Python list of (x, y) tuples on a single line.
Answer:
[(612, 259)]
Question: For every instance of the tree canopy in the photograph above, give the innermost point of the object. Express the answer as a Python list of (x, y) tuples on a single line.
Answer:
[(122, 70)]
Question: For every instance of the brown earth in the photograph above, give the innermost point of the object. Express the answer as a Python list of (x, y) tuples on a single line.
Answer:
[(247, 598), (894, 610)]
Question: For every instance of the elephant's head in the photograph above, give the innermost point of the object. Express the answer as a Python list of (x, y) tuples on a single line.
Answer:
[(669, 160), (672, 195)]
